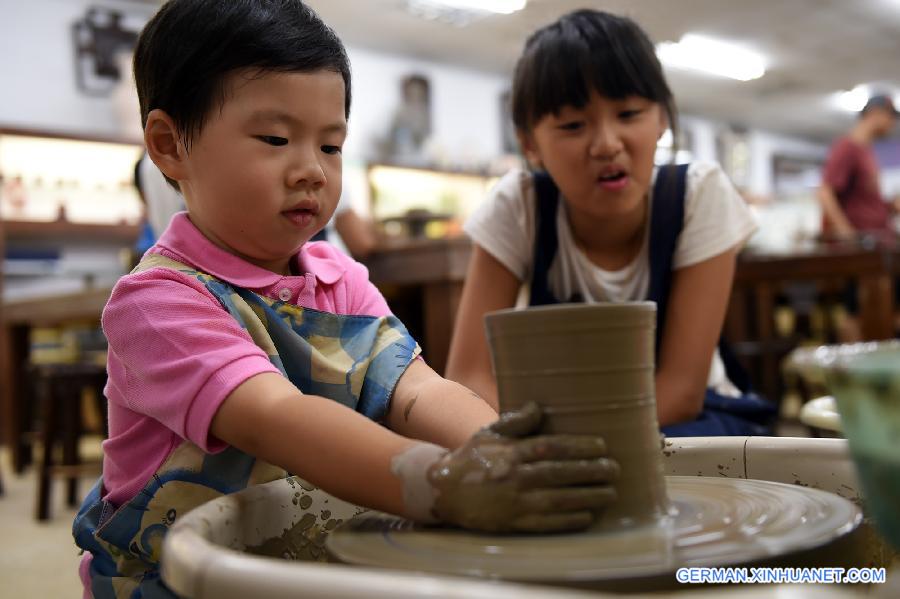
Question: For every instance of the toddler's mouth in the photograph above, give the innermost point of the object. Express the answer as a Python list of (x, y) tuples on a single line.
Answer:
[(300, 217)]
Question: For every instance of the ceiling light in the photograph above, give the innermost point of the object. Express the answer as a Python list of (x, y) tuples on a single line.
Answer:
[(497, 6), (460, 13), (724, 59), (853, 100)]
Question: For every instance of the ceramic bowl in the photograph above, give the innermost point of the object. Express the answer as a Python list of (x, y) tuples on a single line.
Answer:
[(865, 381)]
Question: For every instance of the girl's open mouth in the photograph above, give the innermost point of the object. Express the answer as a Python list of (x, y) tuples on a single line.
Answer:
[(613, 181)]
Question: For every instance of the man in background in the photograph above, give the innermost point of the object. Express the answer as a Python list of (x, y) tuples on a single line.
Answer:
[(850, 194)]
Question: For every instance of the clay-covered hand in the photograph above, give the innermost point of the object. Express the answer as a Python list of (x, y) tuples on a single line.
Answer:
[(508, 479)]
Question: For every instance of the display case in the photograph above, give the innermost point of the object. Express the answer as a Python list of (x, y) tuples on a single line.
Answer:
[(419, 202), (69, 218), (69, 211)]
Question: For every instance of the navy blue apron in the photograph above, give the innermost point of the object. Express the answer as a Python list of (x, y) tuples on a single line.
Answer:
[(748, 414)]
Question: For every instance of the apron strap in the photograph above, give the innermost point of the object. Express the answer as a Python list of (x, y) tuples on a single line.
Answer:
[(546, 239)]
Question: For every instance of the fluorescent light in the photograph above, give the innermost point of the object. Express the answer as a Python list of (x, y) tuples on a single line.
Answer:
[(853, 100), (715, 57), (497, 6)]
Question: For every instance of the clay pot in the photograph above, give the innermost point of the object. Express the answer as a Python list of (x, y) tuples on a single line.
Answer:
[(591, 368)]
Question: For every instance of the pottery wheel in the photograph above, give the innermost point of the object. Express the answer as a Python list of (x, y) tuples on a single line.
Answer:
[(715, 522)]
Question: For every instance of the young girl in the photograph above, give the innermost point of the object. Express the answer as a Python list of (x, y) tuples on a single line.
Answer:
[(597, 223), (238, 352)]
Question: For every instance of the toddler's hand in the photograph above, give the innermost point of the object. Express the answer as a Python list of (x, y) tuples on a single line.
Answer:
[(507, 479)]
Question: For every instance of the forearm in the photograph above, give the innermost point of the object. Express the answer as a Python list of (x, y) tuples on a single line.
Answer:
[(481, 382), (428, 407), (678, 398), (358, 234), (833, 212), (694, 317), (323, 442), (489, 286)]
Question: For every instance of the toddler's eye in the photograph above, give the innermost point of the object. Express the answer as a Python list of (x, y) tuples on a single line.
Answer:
[(627, 114), (272, 140), (331, 149), (571, 126)]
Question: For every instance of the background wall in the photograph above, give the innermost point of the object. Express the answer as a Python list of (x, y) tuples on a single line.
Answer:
[(39, 87), (37, 72), (39, 92)]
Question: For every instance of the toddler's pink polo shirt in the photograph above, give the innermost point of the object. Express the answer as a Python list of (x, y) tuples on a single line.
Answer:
[(175, 354)]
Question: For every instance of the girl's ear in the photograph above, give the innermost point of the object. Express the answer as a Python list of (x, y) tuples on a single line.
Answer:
[(663, 123), (164, 145), (530, 149)]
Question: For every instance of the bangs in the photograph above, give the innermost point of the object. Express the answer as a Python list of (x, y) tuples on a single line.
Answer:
[(568, 60)]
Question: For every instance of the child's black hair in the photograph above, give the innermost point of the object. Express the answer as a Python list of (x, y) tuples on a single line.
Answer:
[(188, 48), (584, 51)]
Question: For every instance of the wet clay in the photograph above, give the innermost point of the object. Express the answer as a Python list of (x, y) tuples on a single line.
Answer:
[(591, 368), (502, 483), (305, 540)]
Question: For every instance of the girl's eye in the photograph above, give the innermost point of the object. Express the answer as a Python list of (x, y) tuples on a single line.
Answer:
[(331, 149), (628, 114), (272, 140), (571, 126)]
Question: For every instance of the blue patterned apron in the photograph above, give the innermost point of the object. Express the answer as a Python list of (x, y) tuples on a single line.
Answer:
[(354, 360)]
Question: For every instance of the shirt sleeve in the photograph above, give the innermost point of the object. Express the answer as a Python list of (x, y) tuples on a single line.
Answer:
[(716, 218), (503, 223), (358, 295), (365, 298), (839, 166), (179, 353)]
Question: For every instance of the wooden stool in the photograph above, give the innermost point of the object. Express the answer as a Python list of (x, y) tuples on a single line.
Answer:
[(59, 388)]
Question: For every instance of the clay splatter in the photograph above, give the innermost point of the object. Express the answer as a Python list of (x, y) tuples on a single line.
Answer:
[(303, 541)]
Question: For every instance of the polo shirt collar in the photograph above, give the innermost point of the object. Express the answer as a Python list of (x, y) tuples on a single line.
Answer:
[(183, 238)]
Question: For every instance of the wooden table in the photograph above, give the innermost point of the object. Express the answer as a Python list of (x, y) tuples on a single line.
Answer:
[(17, 319), (761, 275), (434, 270)]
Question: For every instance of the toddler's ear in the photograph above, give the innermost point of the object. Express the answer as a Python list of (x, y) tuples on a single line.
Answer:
[(164, 145)]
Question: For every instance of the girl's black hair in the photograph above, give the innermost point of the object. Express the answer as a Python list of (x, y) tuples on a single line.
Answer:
[(584, 51), (188, 48)]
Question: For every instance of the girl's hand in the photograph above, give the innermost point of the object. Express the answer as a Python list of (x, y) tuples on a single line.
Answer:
[(507, 479)]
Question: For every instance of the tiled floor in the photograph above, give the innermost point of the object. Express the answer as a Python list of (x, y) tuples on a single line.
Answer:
[(38, 560)]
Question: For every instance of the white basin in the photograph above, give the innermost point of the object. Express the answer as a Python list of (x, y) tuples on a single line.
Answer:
[(203, 558)]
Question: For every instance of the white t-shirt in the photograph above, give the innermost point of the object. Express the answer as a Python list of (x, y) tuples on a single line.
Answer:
[(716, 219)]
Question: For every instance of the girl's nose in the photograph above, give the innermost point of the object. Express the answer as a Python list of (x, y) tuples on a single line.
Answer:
[(306, 171), (606, 143)]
